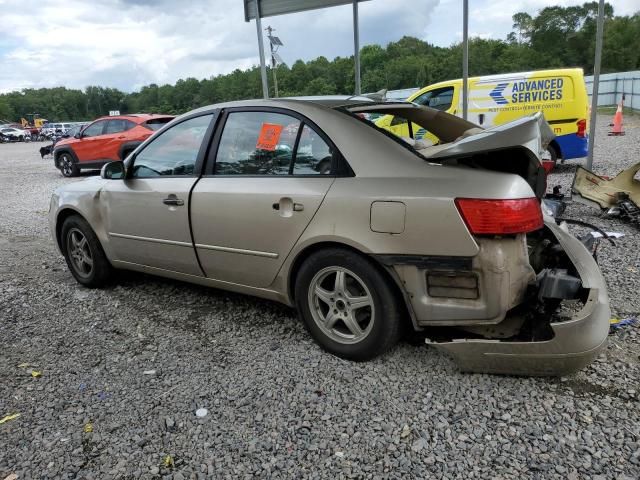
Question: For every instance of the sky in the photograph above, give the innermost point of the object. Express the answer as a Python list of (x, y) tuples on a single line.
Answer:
[(130, 43)]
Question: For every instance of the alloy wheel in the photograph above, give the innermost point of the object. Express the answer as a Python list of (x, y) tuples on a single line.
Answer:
[(79, 253), (341, 305), (67, 166)]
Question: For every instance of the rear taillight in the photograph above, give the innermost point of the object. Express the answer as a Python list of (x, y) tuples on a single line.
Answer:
[(500, 217), (548, 166), (582, 128)]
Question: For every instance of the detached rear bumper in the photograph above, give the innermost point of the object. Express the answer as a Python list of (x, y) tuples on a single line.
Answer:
[(576, 342)]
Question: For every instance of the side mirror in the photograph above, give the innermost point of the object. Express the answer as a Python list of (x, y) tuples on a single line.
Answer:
[(77, 135), (112, 171)]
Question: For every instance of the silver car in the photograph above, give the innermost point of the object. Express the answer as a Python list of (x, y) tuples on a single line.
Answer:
[(309, 203)]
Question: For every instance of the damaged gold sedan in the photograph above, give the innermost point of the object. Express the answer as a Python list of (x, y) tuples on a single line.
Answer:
[(309, 203)]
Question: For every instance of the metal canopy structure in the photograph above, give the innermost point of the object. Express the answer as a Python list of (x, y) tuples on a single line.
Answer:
[(258, 9)]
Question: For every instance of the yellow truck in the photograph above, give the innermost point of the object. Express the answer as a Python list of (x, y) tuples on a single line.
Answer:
[(560, 94)]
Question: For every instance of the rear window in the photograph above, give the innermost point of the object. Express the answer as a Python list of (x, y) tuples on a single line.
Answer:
[(157, 123)]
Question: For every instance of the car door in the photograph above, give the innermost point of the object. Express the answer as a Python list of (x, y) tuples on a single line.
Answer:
[(147, 213), (113, 137), (271, 173), (86, 147)]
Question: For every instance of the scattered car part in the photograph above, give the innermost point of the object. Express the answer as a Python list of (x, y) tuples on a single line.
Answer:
[(619, 195)]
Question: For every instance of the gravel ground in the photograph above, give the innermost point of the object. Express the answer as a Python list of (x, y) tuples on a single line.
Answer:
[(125, 369)]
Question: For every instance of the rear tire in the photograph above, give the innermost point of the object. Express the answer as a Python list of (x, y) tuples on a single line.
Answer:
[(552, 155), (347, 304), (126, 153), (68, 166), (84, 254)]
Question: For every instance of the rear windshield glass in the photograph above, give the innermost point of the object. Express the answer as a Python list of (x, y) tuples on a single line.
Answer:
[(157, 123)]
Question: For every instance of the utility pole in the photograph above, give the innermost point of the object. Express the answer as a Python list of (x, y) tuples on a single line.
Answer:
[(596, 85), (274, 43)]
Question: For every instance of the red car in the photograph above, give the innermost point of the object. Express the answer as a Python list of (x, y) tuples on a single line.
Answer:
[(104, 140)]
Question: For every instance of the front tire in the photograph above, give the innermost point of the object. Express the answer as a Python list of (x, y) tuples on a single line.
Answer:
[(347, 304), (68, 167), (83, 253)]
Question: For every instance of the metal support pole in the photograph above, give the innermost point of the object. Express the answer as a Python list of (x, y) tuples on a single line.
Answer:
[(263, 67), (356, 45), (465, 59), (596, 84)]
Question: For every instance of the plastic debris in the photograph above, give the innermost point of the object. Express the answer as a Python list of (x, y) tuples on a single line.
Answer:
[(609, 234), (167, 462), (8, 418), (202, 412), (615, 324), (405, 431), (11, 476), (88, 428), (25, 365), (149, 372), (36, 374)]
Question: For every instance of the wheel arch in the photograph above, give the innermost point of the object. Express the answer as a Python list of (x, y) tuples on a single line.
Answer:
[(389, 274), (127, 147), (59, 151), (62, 215)]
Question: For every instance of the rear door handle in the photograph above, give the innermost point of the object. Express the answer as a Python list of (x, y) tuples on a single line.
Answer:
[(173, 200), (286, 207)]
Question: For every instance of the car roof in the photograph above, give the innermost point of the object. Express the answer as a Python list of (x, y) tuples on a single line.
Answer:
[(137, 117)]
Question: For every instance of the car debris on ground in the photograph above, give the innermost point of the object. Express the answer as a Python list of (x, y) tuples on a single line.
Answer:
[(618, 196)]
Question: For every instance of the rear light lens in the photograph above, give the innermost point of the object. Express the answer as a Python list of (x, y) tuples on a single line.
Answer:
[(582, 128), (500, 217), (548, 166)]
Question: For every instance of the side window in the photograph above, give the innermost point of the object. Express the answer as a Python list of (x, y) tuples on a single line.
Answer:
[(256, 143), (116, 126), (174, 152), (440, 99), (398, 121), (94, 129), (313, 155)]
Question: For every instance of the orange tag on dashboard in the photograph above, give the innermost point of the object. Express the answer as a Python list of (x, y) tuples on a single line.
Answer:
[(269, 136)]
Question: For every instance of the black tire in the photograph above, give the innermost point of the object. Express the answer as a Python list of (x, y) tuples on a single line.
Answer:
[(100, 271), (553, 155), (125, 153), (385, 313), (67, 165)]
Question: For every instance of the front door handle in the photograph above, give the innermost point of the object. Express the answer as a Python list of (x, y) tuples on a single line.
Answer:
[(173, 200)]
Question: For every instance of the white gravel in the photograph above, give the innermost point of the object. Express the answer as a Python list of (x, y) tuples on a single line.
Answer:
[(125, 370)]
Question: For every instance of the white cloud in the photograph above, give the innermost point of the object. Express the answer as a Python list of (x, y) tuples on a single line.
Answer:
[(130, 43)]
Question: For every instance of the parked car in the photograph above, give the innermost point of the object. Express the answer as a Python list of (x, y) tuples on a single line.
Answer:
[(238, 196), (12, 134), (104, 140)]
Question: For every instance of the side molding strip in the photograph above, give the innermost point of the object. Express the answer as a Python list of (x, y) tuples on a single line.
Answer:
[(241, 251), (152, 240)]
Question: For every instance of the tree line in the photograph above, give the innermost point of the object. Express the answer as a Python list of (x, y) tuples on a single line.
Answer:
[(555, 37)]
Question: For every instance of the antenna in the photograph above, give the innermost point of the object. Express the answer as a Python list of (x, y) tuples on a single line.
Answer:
[(274, 44)]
